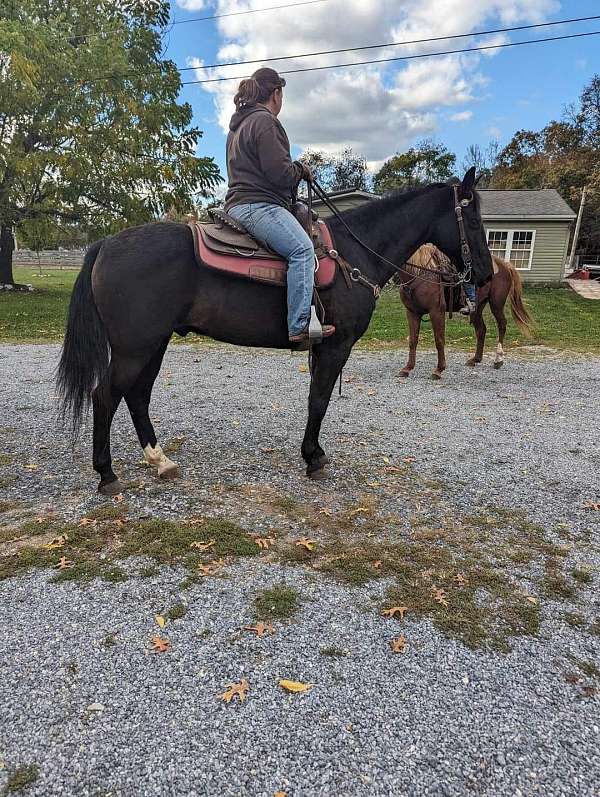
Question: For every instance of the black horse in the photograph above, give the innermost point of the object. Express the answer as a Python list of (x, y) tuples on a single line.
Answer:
[(138, 287)]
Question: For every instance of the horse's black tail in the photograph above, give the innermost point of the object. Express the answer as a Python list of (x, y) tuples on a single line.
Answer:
[(85, 353)]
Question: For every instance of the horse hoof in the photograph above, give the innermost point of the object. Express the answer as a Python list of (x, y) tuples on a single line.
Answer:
[(498, 364), (317, 475), (404, 373), (322, 461), (170, 472), (436, 375), (110, 488)]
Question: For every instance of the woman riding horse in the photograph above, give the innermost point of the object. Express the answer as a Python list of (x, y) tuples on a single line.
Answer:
[(262, 177)]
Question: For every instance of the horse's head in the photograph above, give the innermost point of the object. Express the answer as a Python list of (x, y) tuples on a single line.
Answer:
[(458, 230)]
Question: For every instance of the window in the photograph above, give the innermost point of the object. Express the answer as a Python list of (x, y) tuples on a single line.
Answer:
[(513, 245)]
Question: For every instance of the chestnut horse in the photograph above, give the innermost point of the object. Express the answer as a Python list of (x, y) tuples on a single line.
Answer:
[(424, 292)]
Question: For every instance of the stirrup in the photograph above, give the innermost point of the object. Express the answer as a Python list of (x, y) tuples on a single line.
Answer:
[(315, 330)]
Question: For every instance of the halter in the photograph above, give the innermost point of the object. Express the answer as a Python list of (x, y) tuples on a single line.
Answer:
[(356, 275)]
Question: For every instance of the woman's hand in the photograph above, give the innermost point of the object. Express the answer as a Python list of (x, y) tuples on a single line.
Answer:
[(307, 173)]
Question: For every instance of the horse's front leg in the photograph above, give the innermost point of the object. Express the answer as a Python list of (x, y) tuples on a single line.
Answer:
[(328, 360)]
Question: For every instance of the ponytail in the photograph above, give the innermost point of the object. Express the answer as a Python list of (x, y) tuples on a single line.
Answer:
[(248, 93)]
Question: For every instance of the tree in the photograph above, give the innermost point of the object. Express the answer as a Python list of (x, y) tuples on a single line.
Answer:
[(484, 161), (91, 133), (429, 162), (564, 155), (344, 170)]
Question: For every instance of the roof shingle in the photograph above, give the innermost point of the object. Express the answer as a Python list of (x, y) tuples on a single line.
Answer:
[(523, 203)]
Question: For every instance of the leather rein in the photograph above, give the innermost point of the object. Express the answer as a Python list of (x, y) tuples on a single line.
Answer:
[(356, 275)]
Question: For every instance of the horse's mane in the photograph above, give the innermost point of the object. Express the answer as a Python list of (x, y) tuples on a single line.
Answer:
[(370, 210)]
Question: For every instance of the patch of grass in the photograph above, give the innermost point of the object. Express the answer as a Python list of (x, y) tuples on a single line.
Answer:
[(333, 651), (21, 778), (6, 459), (574, 619), (277, 603), (8, 506), (583, 575), (108, 512), (177, 611), (149, 572), (90, 569), (587, 667), (555, 585)]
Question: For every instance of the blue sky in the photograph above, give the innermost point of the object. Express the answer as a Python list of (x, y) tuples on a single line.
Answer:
[(384, 109)]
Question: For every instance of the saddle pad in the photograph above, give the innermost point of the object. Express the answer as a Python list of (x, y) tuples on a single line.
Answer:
[(259, 265)]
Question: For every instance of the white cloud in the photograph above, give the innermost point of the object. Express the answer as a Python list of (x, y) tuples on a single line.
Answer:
[(192, 5), (376, 109), (461, 116)]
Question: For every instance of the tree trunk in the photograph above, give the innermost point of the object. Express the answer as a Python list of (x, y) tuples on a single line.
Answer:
[(7, 245)]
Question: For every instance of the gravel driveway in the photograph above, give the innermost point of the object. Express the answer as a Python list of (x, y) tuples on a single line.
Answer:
[(87, 709)]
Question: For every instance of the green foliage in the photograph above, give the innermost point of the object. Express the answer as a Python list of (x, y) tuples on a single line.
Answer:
[(91, 130), (429, 162), (345, 170)]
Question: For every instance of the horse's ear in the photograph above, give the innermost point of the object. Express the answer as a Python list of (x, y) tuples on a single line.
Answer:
[(479, 176), (468, 183)]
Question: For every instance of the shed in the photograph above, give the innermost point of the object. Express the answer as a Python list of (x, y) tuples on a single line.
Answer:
[(529, 228)]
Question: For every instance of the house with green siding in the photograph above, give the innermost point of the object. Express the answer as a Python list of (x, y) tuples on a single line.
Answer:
[(529, 228)]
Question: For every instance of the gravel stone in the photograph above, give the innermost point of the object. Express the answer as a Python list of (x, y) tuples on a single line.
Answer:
[(438, 720)]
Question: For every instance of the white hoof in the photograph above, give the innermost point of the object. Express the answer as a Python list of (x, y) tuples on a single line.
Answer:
[(167, 469)]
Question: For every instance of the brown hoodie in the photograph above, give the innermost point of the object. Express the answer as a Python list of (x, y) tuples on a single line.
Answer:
[(259, 164)]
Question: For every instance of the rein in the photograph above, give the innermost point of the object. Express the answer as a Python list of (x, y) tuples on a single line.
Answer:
[(357, 276)]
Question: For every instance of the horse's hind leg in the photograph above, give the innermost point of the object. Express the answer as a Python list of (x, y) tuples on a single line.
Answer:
[(414, 326), (480, 330), (121, 375), (138, 402), (498, 313), (438, 322)]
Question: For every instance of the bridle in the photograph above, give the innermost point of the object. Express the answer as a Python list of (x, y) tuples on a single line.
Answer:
[(356, 275)]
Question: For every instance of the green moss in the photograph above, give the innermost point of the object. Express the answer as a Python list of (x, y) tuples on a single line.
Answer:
[(574, 619), (277, 603), (177, 611), (333, 651), (21, 778), (109, 641), (90, 569), (582, 574), (109, 512), (5, 459)]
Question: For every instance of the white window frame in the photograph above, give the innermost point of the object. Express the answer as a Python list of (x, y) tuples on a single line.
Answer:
[(509, 243)]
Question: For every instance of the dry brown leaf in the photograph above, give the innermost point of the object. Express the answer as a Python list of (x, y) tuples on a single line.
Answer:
[(159, 644), (88, 521), (31, 466), (260, 629), (160, 620), (377, 564), (408, 459), (211, 568), (303, 369), (264, 542), (461, 579), (439, 595), (235, 690), (64, 563), (119, 498), (294, 686), (57, 542), (305, 542), (118, 523), (532, 599), (394, 610), (280, 794), (203, 545), (361, 510), (592, 505), (267, 450), (398, 645)]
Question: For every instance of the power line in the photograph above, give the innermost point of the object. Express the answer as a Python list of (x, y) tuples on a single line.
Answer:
[(249, 11), (402, 57), (395, 44)]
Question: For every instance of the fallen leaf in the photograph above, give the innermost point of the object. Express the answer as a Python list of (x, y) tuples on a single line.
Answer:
[(461, 579), (235, 690), (361, 510), (371, 392), (305, 542), (394, 610), (592, 505), (280, 794), (408, 459), (87, 521), (398, 645), (377, 564), (439, 595), (392, 469), (159, 644), (57, 542), (160, 620), (267, 450), (264, 542), (325, 511), (260, 629), (203, 545), (118, 498), (369, 484), (31, 466), (211, 568), (294, 686), (95, 707), (118, 523), (303, 369), (532, 599), (64, 563), (386, 460)]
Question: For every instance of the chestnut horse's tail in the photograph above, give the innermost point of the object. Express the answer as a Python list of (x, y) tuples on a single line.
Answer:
[(85, 353), (519, 312)]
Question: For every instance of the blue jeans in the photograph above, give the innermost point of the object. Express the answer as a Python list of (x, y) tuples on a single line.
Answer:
[(470, 291), (280, 231)]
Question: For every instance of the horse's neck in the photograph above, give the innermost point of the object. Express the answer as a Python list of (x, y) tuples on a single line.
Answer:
[(395, 233)]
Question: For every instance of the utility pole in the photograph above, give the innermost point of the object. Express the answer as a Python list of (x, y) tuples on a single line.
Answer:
[(577, 227)]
